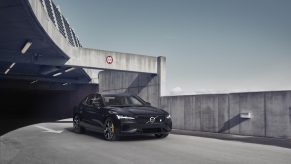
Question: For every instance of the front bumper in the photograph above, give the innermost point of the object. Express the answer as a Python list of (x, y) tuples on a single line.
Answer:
[(132, 127)]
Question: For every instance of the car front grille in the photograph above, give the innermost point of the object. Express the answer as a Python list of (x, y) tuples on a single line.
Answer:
[(146, 119)]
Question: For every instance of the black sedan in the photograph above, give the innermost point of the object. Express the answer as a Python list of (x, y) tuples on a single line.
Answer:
[(117, 115)]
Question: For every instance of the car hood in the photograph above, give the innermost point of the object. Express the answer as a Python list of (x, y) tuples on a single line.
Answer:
[(138, 110)]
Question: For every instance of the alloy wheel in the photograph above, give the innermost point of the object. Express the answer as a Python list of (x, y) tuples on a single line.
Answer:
[(109, 130)]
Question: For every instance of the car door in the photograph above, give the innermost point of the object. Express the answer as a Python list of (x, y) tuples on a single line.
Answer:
[(87, 108), (96, 116)]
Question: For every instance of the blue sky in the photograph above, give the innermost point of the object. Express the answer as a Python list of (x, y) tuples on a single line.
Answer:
[(210, 45)]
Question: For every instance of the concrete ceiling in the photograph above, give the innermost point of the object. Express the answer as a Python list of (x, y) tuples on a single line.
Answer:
[(17, 26)]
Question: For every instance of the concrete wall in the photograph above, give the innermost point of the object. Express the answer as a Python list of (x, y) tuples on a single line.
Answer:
[(144, 85), (271, 113), (278, 114)]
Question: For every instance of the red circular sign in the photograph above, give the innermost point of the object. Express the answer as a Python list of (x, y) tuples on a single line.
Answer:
[(109, 59)]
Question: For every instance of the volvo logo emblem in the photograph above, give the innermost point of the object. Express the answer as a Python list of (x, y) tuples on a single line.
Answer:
[(152, 120)]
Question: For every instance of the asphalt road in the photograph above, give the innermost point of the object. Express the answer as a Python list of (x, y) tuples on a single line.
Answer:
[(55, 143)]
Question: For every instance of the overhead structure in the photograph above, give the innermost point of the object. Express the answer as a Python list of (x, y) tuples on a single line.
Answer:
[(23, 43), (41, 43)]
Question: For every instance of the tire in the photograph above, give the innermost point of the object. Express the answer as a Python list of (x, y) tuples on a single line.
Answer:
[(161, 135), (110, 130), (76, 124)]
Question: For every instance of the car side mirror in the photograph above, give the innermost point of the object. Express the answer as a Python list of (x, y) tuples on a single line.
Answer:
[(147, 103), (97, 104)]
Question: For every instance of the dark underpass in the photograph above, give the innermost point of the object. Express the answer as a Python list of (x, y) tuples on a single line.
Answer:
[(23, 103)]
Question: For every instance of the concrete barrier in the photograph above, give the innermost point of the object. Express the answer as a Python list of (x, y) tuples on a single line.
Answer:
[(220, 113), (278, 114)]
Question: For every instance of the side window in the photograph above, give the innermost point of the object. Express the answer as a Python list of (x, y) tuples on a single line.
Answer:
[(97, 100), (93, 100), (88, 100), (84, 101)]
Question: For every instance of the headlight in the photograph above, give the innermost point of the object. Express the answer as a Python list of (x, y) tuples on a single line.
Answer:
[(124, 117), (168, 116)]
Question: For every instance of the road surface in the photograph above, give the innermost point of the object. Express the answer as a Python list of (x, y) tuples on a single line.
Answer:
[(56, 143)]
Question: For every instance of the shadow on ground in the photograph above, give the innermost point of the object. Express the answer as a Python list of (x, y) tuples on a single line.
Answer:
[(285, 143), (122, 139), (10, 124)]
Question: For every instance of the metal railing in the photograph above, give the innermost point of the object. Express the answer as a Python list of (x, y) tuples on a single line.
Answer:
[(60, 22)]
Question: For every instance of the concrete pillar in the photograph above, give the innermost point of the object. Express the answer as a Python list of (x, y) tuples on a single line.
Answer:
[(161, 71)]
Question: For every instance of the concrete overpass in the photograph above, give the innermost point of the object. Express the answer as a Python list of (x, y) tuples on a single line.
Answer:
[(30, 21), (42, 57)]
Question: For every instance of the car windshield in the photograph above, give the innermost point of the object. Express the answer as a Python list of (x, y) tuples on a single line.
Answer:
[(122, 101)]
